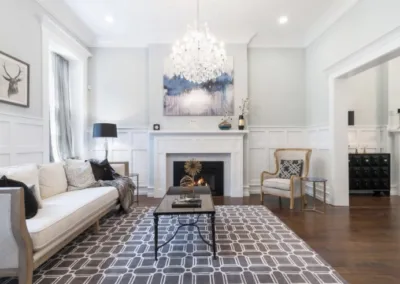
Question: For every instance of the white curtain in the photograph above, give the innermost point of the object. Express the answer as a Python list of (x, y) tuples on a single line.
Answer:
[(61, 142)]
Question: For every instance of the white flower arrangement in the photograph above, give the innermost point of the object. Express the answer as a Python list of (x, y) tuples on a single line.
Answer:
[(244, 108)]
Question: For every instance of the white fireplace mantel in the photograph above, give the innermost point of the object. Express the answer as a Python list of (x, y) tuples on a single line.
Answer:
[(209, 142)]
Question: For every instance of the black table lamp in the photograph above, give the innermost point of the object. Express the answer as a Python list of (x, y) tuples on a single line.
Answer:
[(105, 130)]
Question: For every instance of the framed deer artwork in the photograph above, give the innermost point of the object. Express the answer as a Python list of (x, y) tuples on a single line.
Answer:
[(14, 81)]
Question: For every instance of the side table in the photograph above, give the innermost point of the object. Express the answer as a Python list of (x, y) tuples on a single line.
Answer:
[(136, 175), (314, 181)]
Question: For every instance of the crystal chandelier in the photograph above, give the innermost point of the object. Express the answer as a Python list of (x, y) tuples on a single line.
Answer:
[(198, 57)]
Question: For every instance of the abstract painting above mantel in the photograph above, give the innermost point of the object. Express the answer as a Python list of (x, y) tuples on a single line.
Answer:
[(185, 98), (14, 81)]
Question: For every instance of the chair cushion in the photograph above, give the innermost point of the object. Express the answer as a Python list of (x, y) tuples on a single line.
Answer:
[(63, 212), (52, 179), (279, 183), (289, 168)]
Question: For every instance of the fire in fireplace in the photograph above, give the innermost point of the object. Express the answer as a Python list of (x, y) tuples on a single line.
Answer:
[(212, 175)]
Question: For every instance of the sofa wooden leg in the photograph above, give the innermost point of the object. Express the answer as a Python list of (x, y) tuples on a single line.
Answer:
[(291, 203), (96, 227), (262, 197), (280, 202)]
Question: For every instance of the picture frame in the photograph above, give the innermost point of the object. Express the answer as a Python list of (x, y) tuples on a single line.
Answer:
[(14, 81)]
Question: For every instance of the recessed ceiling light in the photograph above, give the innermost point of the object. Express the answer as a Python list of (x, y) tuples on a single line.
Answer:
[(109, 19), (283, 20)]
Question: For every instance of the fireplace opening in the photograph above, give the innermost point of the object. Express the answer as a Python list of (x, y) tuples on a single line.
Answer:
[(212, 174)]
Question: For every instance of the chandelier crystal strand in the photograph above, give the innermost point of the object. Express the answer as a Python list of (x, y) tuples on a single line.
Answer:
[(198, 57)]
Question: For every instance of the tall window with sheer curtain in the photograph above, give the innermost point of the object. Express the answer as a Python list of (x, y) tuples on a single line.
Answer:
[(61, 141)]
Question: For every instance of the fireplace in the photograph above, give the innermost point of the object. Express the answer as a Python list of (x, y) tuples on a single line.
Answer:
[(212, 174)]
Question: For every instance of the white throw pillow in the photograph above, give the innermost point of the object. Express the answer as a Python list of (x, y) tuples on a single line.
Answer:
[(28, 174), (52, 179), (79, 175)]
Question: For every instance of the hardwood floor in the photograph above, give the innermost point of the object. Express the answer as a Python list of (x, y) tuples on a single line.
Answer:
[(362, 242)]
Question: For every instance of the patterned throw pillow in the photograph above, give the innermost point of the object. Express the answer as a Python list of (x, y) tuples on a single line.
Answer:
[(290, 168), (79, 175)]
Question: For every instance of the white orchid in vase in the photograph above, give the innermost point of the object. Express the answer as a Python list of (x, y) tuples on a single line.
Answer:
[(244, 110)]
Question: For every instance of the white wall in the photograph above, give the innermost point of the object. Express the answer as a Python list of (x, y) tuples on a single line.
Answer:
[(366, 22), (277, 86), (367, 96), (119, 86), (127, 86), (394, 85), (23, 130)]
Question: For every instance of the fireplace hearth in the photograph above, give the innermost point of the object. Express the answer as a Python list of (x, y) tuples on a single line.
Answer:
[(212, 174)]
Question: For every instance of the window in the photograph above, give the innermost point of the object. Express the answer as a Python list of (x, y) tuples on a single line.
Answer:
[(61, 140)]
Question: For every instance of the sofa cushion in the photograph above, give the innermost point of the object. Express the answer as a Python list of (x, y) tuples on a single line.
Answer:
[(283, 184), (102, 170), (52, 180), (30, 202), (79, 175), (63, 212), (28, 174)]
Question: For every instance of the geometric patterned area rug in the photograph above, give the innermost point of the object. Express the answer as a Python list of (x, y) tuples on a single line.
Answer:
[(253, 247)]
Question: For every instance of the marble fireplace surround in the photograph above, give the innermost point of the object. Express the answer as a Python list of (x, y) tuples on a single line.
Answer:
[(205, 145)]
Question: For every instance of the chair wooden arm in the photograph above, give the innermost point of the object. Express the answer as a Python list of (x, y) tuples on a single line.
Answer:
[(267, 175)]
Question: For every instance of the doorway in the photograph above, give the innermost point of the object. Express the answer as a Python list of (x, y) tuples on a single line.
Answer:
[(375, 54)]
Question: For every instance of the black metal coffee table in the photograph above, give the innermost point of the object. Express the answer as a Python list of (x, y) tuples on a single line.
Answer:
[(165, 208)]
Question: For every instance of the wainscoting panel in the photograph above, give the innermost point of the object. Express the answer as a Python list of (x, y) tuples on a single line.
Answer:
[(5, 134), (21, 140), (130, 146), (371, 139), (27, 158), (263, 141), (318, 140)]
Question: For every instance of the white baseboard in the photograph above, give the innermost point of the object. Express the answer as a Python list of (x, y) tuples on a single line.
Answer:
[(254, 189), (246, 191)]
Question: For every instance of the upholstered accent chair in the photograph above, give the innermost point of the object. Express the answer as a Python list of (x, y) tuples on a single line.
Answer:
[(288, 188)]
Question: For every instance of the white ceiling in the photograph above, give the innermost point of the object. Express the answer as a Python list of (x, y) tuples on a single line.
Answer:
[(144, 22)]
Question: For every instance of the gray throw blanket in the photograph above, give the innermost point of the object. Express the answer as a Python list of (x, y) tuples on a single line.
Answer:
[(125, 187)]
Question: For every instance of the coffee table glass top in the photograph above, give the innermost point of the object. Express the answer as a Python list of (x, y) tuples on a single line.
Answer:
[(165, 207)]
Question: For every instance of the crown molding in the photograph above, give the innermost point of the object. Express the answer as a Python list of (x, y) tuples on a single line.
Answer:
[(326, 21)]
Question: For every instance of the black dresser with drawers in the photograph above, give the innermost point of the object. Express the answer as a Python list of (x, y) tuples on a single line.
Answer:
[(369, 173)]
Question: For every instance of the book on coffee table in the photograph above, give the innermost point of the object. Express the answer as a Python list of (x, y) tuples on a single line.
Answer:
[(194, 203)]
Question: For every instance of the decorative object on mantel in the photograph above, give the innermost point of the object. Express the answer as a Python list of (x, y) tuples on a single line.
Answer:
[(198, 57), (14, 81), (225, 123), (105, 130), (156, 127), (398, 118), (244, 109)]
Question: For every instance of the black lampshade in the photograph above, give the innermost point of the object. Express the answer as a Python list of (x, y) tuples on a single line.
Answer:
[(104, 130)]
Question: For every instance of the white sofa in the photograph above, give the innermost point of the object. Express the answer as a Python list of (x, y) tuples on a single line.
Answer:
[(26, 244)]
